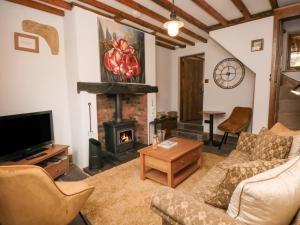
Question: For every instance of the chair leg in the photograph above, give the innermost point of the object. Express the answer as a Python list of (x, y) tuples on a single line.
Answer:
[(225, 142), (85, 220), (223, 138)]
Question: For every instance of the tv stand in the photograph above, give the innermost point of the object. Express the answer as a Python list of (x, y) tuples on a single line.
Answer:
[(47, 160)]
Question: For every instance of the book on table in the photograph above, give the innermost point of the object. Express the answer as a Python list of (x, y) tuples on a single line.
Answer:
[(167, 144)]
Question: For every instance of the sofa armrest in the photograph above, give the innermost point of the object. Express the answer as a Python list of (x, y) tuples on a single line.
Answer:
[(179, 208)]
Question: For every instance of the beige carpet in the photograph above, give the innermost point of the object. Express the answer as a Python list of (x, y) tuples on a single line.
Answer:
[(122, 198)]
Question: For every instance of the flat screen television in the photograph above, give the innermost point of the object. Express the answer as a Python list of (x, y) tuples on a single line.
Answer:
[(23, 135)]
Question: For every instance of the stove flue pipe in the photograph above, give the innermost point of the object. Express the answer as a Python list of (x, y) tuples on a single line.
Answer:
[(118, 105)]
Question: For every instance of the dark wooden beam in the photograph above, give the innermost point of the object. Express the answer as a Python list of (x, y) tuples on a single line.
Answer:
[(60, 3), (154, 15), (161, 44), (127, 16), (115, 88), (159, 38), (242, 20), (287, 11), (274, 4), (189, 18), (242, 8), (280, 14), (211, 11), (39, 6), (171, 42), (92, 10)]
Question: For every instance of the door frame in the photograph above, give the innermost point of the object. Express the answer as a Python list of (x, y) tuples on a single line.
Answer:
[(280, 14), (202, 54)]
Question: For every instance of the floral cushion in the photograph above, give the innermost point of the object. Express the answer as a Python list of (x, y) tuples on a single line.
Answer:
[(246, 142), (220, 194), (269, 146), (216, 174)]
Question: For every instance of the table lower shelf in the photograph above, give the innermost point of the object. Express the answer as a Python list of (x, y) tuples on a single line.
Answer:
[(180, 176)]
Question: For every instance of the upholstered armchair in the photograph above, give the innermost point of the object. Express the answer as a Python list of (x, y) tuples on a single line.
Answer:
[(29, 196), (237, 122)]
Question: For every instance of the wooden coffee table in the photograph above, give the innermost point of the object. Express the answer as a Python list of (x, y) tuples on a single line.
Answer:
[(171, 166)]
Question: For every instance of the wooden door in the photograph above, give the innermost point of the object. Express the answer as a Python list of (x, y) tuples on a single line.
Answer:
[(191, 88)]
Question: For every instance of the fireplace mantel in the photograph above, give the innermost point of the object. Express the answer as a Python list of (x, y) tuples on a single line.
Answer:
[(115, 88)]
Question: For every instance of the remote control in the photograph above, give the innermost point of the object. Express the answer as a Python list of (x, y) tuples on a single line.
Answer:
[(36, 156)]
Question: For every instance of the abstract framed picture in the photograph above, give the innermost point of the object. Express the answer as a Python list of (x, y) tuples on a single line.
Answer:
[(257, 45), (122, 53), (25, 42)]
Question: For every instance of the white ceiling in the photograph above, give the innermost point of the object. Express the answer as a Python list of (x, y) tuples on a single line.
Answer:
[(225, 7)]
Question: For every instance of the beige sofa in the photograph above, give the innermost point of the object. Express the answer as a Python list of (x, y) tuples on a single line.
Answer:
[(189, 208)]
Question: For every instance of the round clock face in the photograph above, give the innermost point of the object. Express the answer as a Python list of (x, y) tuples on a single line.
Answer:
[(229, 73)]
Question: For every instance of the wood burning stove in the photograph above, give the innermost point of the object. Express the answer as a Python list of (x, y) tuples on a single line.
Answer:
[(119, 134)]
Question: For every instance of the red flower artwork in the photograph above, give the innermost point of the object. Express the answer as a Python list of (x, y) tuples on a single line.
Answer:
[(121, 59)]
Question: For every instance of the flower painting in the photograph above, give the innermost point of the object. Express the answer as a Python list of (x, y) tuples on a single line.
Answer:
[(122, 53)]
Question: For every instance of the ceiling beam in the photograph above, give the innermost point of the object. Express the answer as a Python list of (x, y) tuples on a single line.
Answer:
[(39, 6), (274, 4), (184, 15), (242, 20), (242, 8), (159, 38), (165, 45), (144, 10), (171, 42), (60, 3), (127, 16), (211, 11), (287, 11), (92, 10)]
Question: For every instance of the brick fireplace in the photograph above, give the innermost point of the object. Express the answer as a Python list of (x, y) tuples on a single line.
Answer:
[(121, 113), (129, 130)]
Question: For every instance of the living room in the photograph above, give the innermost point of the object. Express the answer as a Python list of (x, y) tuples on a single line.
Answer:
[(109, 81)]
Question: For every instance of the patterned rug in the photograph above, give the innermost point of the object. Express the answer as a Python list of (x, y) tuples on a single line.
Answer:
[(122, 198)]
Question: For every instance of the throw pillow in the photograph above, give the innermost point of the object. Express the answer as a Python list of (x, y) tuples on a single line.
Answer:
[(280, 129), (272, 197), (295, 149), (220, 196), (246, 142), (269, 146)]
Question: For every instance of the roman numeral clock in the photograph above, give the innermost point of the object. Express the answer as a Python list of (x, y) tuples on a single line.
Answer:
[(229, 73)]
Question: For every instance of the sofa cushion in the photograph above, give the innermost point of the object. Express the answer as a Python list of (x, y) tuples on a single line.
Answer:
[(271, 197), (246, 142), (180, 208), (280, 129), (220, 194), (216, 174), (269, 146)]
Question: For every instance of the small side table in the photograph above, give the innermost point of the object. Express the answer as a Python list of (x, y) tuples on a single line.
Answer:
[(211, 114)]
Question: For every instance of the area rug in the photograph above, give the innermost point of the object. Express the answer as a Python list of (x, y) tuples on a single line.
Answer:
[(122, 198)]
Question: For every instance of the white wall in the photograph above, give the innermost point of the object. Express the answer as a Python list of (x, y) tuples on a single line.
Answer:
[(215, 98), (163, 77), (291, 26), (32, 82), (237, 40), (83, 64)]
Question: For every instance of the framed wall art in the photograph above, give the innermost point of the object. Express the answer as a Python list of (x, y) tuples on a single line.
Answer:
[(25, 42), (257, 45), (122, 53)]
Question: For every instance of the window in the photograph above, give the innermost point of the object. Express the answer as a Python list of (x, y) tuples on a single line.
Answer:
[(294, 52)]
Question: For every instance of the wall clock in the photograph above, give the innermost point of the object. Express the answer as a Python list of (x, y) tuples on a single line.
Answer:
[(229, 73)]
